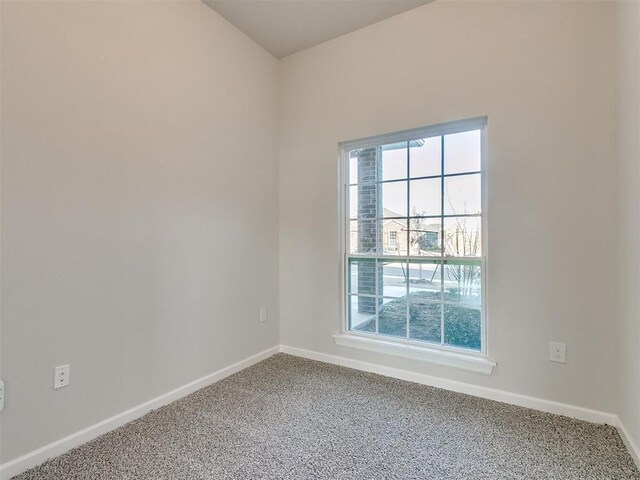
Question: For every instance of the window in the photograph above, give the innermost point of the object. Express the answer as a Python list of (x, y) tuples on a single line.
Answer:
[(393, 238), (414, 259)]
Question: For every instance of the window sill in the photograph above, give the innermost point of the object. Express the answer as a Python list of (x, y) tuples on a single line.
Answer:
[(463, 361)]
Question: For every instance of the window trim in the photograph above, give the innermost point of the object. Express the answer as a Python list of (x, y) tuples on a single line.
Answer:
[(477, 361), (449, 357)]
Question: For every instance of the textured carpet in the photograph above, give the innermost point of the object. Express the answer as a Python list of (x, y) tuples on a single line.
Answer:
[(289, 418)]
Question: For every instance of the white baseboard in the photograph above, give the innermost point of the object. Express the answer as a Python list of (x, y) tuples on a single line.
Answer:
[(549, 406), (36, 457), (629, 443)]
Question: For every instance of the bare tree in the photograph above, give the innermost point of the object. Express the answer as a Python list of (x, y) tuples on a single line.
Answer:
[(463, 240)]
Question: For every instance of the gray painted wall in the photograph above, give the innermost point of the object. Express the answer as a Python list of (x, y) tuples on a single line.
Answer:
[(139, 206), (544, 73), (628, 133)]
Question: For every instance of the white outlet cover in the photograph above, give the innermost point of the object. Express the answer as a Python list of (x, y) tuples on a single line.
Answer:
[(263, 314), (61, 376), (558, 352), (1, 395)]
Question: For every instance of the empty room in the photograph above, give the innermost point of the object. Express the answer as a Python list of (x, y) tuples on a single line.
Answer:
[(320, 239)]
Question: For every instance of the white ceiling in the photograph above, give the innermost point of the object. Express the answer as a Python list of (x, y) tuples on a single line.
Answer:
[(284, 27)]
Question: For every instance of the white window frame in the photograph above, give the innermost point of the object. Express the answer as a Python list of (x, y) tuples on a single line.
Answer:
[(476, 361)]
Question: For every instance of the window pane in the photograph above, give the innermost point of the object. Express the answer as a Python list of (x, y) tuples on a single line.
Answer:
[(462, 195), (393, 279), (394, 161), (353, 202), (363, 236), (462, 326), (424, 321), (353, 167), (462, 236), (462, 152), (397, 209), (425, 281), (362, 276), (362, 313), (394, 237), (425, 197), (392, 317), (363, 165), (394, 199), (425, 236), (425, 157), (463, 282)]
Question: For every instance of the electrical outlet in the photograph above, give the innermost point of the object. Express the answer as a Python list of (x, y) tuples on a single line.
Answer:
[(61, 376), (558, 352), (1, 395), (263, 314)]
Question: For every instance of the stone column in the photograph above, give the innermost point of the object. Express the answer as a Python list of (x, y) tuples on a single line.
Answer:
[(369, 231)]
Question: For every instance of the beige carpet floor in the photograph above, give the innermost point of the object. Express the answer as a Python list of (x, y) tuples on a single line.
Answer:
[(289, 418)]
